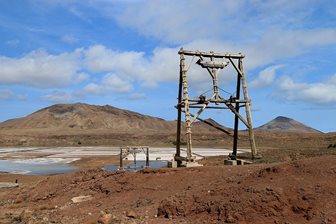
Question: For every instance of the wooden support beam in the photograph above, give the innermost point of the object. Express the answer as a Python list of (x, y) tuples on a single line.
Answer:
[(179, 112), (212, 125), (121, 158), (248, 114), (199, 112), (210, 54), (237, 114), (237, 69), (186, 106), (236, 121), (232, 100)]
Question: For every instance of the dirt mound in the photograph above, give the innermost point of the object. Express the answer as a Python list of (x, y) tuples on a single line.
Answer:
[(285, 124), (295, 192), (274, 194)]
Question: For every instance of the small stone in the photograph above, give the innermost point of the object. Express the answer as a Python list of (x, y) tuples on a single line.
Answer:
[(81, 198), (105, 219), (130, 214), (8, 185)]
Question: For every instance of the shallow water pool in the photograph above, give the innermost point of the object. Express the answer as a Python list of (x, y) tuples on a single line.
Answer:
[(30, 167)]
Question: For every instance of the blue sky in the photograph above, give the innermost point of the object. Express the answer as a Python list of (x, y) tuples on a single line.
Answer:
[(124, 53)]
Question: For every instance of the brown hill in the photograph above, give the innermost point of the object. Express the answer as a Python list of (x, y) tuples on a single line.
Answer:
[(285, 124), (88, 117)]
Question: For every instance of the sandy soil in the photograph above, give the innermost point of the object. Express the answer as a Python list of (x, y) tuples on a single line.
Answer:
[(302, 191)]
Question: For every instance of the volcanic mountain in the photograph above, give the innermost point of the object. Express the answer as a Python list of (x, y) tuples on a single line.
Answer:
[(88, 117), (285, 124)]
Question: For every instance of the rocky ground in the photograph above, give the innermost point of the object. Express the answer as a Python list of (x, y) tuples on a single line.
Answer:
[(301, 191)]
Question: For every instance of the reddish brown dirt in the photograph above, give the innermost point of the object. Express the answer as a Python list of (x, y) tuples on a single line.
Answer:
[(297, 192)]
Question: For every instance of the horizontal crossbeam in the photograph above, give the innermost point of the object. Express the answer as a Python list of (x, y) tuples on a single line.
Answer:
[(210, 54)]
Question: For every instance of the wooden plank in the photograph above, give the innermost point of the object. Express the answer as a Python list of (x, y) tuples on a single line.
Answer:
[(236, 121), (237, 69), (212, 125), (248, 114), (210, 54), (179, 112)]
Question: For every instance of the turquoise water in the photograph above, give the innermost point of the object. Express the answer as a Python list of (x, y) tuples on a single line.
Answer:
[(140, 165), (29, 168)]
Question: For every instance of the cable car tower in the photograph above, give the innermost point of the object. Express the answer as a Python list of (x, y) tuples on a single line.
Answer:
[(212, 62)]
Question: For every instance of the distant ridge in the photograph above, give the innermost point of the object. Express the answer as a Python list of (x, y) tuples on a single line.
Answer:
[(285, 124), (82, 116)]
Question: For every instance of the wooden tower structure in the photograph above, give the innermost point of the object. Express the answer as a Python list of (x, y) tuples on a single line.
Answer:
[(212, 62)]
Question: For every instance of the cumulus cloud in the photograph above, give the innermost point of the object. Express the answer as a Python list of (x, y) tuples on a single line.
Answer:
[(40, 69), (6, 94), (114, 83), (137, 96), (60, 97), (319, 93), (266, 77), (69, 39), (151, 19), (279, 44), (161, 66), (13, 43), (110, 83), (101, 59), (234, 20)]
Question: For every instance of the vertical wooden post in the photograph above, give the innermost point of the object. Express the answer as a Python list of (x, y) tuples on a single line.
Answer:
[(186, 107), (121, 158), (248, 112), (147, 157), (134, 156), (236, 121), (179, 113)]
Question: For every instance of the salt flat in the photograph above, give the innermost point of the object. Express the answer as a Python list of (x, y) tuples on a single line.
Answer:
[(68, 154)]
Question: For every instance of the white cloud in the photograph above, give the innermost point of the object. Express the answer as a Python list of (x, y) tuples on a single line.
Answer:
[(60, 97), (137, 96), (162, 66), (181, 22), (279, 44), (175, 21), (93, 89), (110, 83), (69, 39), (40, 69), (318, 93), (101, 59), (114, 83), (80, 77), (266, 77), (13, 43), (5, 94)]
